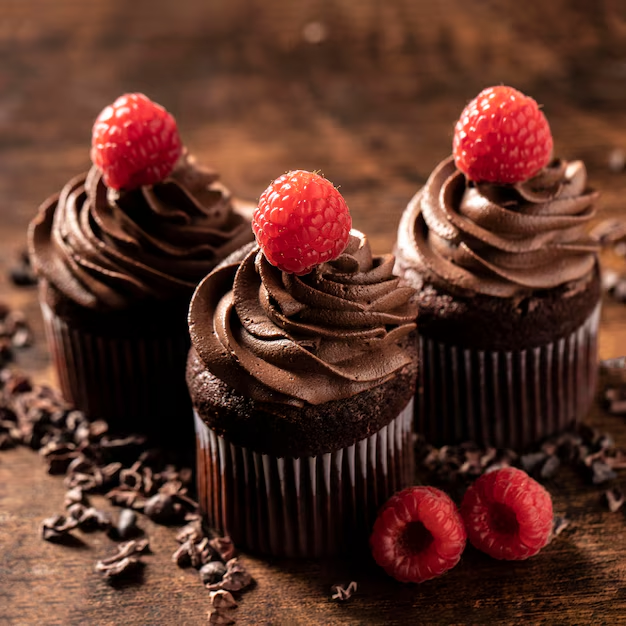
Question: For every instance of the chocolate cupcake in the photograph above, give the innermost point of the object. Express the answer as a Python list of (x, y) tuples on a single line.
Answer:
[(118, 254), (507, 281), (302, 377)]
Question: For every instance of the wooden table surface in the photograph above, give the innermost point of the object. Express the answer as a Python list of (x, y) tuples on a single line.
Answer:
[(367, 92)]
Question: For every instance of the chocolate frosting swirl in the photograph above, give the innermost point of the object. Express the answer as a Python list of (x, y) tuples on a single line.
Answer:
[(106, 250), (500, 240), (275, 337)]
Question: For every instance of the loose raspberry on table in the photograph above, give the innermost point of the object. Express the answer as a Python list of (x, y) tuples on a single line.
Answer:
[(502, 137), (418, 535), (507, 514), (135, 142), (301, 221)]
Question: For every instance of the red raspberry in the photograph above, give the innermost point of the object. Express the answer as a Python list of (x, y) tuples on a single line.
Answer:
[(134, 142), (507, 514), (502, 137), (418, 535), (301, 221)]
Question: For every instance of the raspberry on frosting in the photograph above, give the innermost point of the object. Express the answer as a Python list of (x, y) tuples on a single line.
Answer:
[(301, 221), (135, 142), (502, 137)]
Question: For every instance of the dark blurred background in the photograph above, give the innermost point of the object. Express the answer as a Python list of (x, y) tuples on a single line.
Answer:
[(366, 91)]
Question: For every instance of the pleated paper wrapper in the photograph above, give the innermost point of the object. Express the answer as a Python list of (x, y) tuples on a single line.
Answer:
[(136, 383), (506, 399), (302, 507)]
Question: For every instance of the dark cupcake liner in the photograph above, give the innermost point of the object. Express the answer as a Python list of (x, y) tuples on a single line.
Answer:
[(136, 383), (506, 399), (305, 507)]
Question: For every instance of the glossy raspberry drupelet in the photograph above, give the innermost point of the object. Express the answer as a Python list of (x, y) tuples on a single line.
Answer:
[(301, 221), (502, 137), (418, 535), (507, 514), (134, 142)]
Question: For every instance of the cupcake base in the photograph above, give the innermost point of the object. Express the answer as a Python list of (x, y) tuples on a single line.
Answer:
[(506, 399), (302, 507), (134, 381)]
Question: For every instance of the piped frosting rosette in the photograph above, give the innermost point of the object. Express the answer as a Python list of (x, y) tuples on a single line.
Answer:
[(501, 240), (106, 249), (327, 335)]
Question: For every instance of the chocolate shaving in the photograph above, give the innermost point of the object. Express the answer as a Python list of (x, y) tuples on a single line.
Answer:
[(222, 603), (21, 274), (222, 599), (550, 467), (343, 593), (614, 499), (192, 531), (560, 524), (212, 572), (192, 554), (164, 509), (57, 528), (126, 525), (224, 547), (219, 617), (609, 231), (601, 473), (236, 577), (93, 519), (120, 567), (127, 557)]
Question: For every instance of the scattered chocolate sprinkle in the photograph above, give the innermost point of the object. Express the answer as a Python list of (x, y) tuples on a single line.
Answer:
[(343, 593), (236, 577), (614, 499)]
